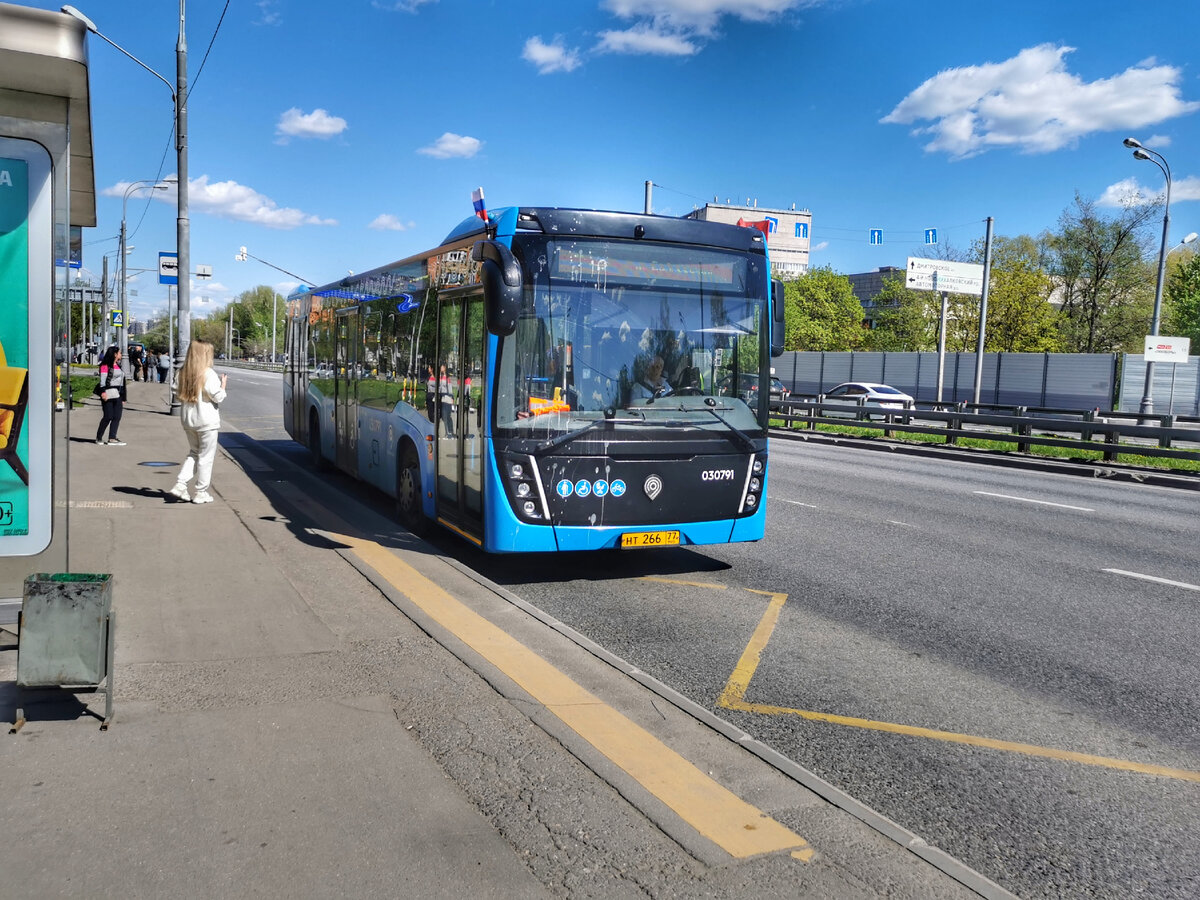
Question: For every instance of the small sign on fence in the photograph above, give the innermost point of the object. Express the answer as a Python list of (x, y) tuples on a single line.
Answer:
[(1167, 349)]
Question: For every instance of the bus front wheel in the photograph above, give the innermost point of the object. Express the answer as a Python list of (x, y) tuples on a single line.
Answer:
[(314, 443), (409, 508)]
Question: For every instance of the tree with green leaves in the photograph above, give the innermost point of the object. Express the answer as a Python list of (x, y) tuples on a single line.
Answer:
[(1102, 276), (1020, 317), (905, 320), (1181, 300), (252, 314), (822, 312)]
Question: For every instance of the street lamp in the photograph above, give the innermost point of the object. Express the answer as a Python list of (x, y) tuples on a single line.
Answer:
[(242, 256), (1187, 240), (1141, 152), (179, 97), (124, 253)]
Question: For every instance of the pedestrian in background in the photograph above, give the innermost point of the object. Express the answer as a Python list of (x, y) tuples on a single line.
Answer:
[(164, 366), (201, 391), (112, 396), (135, 360)]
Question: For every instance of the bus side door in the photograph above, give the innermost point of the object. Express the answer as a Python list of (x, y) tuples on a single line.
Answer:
[(459, 428)]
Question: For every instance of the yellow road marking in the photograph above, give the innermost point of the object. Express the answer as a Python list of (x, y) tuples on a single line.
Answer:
[(699, 584), (734, 825), (734, 697)]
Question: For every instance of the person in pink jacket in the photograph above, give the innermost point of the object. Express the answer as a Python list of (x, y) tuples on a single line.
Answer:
[(201, 392)]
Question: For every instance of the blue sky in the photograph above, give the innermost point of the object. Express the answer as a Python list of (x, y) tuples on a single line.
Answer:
[(334, 137)]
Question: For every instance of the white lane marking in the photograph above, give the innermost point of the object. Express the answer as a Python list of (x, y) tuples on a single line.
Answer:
[(796, 503), (894, 522), (1039, 502), (1155, 579)]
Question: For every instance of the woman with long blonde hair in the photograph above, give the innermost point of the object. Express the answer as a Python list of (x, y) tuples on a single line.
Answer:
[(200, 393)]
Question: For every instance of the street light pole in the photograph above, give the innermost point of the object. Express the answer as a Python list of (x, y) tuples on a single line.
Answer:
[(1141, 152), (182, 229), (123, 341), (183, 294)]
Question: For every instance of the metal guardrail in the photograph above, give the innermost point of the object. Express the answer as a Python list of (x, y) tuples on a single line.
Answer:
[(1111, 434)]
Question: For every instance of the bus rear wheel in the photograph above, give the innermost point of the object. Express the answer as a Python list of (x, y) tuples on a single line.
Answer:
[(409, 508)]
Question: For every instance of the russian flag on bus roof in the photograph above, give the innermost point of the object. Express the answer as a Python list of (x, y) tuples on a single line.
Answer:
[(480, 206)]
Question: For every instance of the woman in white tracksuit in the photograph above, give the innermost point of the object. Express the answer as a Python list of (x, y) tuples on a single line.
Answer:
[(200, 393)]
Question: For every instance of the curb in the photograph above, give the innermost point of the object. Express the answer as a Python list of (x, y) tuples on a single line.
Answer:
[(1081, 469)]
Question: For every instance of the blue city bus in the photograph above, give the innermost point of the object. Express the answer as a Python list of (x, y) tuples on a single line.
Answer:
[(551, 379)]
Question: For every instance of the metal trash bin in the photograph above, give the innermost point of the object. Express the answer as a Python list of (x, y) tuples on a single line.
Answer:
[(66, 635)]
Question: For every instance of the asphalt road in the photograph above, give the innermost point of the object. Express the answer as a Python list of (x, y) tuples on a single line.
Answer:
[(1001, 661)]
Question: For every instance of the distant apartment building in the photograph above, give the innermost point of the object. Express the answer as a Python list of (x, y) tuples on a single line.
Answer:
[(869, 285), (787, 231)]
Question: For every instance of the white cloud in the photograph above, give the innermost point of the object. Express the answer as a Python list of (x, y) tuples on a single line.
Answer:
[(1157, 142), (1032, 102), (677, 27), (388, 222), (824, 245), (231, 200), (702, 16), (554, 57), (452, 145), (408, 6), (268, 13), (646, 38), (316, 124), (1129, 192)]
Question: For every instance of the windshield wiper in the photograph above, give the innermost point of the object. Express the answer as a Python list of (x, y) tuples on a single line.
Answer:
[(554, 443), (744, 439)]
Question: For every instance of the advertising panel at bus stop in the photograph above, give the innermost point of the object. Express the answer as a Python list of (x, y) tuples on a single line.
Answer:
[(26, 296)]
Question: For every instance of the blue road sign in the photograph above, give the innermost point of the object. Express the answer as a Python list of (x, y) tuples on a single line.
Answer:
[(876, 235), (931, 235), (118, 320)]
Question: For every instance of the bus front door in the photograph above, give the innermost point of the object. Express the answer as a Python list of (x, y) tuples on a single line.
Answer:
[(460, 444), (345, 390)]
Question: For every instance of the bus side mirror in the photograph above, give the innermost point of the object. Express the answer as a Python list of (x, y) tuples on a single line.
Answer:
[(776, 317), (501, 279)]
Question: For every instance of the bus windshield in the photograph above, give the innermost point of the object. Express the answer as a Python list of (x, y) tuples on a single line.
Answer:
[(632, 331)]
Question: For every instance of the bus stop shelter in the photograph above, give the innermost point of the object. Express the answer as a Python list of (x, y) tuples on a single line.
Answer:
[(47, 193)]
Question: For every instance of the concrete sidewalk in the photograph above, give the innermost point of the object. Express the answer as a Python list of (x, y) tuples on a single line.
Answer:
[(293, 720)]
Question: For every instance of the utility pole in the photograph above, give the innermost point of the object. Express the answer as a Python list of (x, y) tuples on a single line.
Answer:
[(983, 299), (183, 228)]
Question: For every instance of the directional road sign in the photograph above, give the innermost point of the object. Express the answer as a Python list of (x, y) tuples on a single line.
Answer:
[(941, 275), (876, 235)]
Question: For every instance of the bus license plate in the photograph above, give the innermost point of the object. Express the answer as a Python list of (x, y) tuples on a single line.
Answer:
[(635, 539)]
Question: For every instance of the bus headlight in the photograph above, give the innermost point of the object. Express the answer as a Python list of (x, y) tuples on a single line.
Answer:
[(524, 490), (756, 478)]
